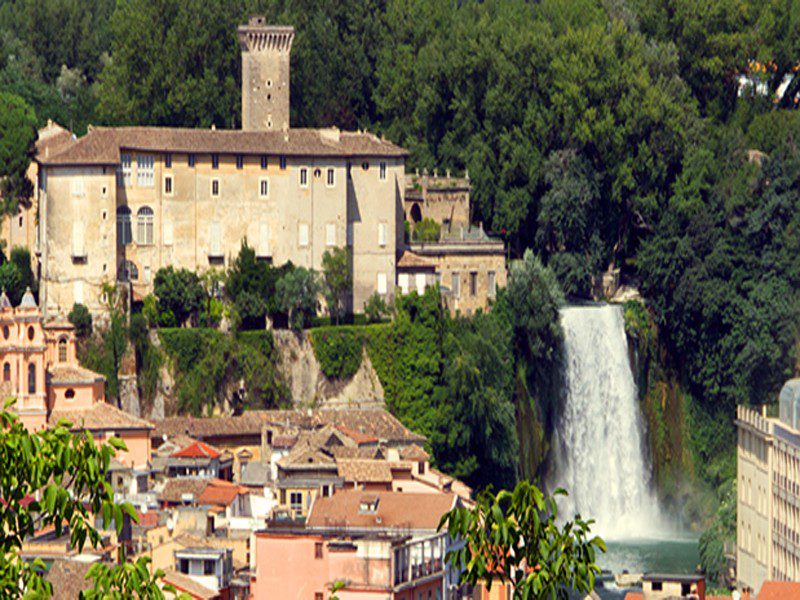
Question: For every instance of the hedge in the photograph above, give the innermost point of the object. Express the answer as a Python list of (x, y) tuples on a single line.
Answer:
[(339, 348), (187, 345)]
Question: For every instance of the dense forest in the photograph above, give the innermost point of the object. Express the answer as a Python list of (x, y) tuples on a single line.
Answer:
[(659, 137)]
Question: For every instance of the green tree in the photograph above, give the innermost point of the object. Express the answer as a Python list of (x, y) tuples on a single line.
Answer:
[(376, 309), (513, 538), (17, 148), (250, 285), (65, 473), (178, 291), (11, 282), (81, 319), (427, 230), (298, 296), (21, 257), (337, 269)]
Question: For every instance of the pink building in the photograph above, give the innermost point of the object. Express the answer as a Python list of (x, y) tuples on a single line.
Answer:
[(40, 369), (380, 545)]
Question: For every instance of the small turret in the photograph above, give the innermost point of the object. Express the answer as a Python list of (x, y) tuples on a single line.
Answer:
[(5, 303), (28, 301)]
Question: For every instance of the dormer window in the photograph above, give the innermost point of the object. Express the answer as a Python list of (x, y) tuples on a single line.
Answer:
[(368, 505)]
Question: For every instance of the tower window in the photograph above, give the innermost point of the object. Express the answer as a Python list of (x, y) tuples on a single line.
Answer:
[(303, 177), (69, 394), (215, 187), (239, 161), (264, 161), (283, 163), (168, 185), (31, 379), (215, 161), (168, 160), (62, 350), (330, 179), (6, 372), (31, 333), (190, 160), (263, 187), (383, 170), (124, 233)]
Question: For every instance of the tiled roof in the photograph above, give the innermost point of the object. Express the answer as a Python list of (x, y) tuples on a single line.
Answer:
[(410, 260), (249, 423), (364, 471), (53, 139), (284, 441), (102, 145), (340, 452), (779, 590), (395, 510), (414, 452), (220, 493), (306, 458), (68, 578), (373, 421), (100, 416), (255, 474), (197, 450), (64, 374), (358, 437), (184, 583), (175, 489)]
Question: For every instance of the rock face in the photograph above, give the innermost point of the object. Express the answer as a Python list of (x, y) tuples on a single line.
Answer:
[(310, 387)]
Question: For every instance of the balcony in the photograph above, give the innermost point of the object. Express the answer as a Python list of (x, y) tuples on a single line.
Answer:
[(417, 560)]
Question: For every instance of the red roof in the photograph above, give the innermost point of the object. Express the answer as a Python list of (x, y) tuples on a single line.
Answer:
[(357, 436), (197, 450), (220, 493), (779, 590), (148, 519)]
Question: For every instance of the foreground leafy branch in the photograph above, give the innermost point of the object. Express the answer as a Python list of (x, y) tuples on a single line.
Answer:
[(513, 538), (57, 478)]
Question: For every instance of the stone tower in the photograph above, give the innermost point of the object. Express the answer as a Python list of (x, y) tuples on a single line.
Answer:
[(265, 74)]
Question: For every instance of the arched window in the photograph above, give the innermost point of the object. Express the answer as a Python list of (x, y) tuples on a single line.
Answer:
[(144, 226), (62, 350), (416, 213), (128, 271), (124, 236), (31, 379), (6, 372), (31, 333)]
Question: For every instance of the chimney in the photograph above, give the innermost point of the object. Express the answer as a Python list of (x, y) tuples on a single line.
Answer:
[(265, 74)]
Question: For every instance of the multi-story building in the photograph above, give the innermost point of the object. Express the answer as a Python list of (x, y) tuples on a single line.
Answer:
[(120, 203), (768, 494)]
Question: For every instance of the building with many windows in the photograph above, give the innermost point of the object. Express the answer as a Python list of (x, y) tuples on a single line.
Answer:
[(120, 203), (768, 488)]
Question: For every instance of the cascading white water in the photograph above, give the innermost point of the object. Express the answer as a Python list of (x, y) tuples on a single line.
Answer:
[(598, 448)]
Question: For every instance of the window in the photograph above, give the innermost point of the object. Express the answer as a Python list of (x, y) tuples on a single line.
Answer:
[(31, 379), (403, 282), (145, 170), (319, 596), (491, 284), (296, 500), (283, 163), (62, 350), (381, 234), (190, 159), (216, 241), (76, 187), (330, 234), (317, 173), (263, 187), (263, 239), (239, 161), (168, 161), (420, 282), (215, 161), (215, 187), (124, 234), (208, 567), (144, 226), (147, 273), (6, 372), (657, 586), (331, 178), (78, 240), (383, 170), (168, 185), (455, 286), (128, 271), (318, 550), (303, 177), (302, 235), (365, 165), (69, 394), (6, 331), (473, 283), (264, 161), (382, 283), (168, 233), (124, 171)]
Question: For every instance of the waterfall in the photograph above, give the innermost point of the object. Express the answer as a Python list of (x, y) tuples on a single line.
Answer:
[(599, 453)]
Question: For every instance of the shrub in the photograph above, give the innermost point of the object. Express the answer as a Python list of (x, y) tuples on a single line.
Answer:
[(338, 350), (297, 293), (376, 309), (81, 319), (178, 291), (427, 230)]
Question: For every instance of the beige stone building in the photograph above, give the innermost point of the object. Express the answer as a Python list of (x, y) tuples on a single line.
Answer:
[(120, 203), (768, 488), (443, 199)]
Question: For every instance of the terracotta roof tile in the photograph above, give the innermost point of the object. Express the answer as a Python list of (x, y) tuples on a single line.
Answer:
[(65, 374), (358, 437), (414, 452), (410, 260), (220, 493), (395, 510), (68, 578), (175, 489), (779, 590), (102, 145), (184, 583), (100, 416), (364, 471), (197, 450)]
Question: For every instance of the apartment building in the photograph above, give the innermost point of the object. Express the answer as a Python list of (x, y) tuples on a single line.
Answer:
[(120, 203), (768, 488)]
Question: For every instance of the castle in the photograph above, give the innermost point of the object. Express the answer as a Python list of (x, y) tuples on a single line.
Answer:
[(119, 203)]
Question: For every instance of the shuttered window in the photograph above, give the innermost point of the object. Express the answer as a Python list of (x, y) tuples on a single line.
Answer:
[(302, 235), (381, 234), (263, 239), (382, 287), (78, 240), (330, 234), (168, 233), (216, 242), (145, 170)]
